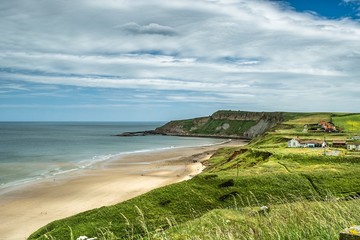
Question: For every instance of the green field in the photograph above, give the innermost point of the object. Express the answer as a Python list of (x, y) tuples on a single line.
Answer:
[(309, 119), (350, 123), (220, 203)]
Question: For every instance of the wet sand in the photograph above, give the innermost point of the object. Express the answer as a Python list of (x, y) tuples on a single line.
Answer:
[(25, 209)]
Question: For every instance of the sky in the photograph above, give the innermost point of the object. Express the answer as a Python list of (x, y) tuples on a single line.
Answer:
[(155, 60)]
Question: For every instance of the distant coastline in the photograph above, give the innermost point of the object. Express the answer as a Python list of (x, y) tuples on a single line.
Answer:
[(153, 132)]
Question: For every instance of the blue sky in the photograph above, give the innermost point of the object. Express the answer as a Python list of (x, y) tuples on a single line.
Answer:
[(332, 9), (104, 60)]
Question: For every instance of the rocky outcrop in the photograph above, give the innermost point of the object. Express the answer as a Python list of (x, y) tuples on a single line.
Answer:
[(266, 122), (261, 127), (182, 127), (141, 133)]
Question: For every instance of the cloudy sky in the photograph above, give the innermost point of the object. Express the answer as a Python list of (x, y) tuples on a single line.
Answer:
[(121, 60)]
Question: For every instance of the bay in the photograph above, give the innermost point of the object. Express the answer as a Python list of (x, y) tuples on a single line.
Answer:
[(30, 151)]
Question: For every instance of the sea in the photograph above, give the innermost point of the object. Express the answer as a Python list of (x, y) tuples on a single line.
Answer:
[(31, 151)]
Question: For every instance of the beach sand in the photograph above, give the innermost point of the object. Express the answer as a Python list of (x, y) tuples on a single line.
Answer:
[(25, 209)]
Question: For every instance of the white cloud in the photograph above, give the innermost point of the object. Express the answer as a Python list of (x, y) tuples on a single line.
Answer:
[(235, 49), (13, 87), (152, 28)]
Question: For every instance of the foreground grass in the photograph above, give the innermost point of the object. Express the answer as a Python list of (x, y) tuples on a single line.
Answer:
[(295, 221), (298, 220)]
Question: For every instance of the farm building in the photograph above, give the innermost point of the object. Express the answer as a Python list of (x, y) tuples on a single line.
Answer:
[(313, 143), (339, 144), (294, 143), (297, 143), (322, 126), (353, 146), (327, 126)]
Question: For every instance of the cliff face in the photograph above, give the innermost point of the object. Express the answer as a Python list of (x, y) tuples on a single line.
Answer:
[(234, 124), (238, 115)]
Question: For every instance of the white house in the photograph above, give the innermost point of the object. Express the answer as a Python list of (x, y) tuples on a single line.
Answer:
[(294, 143), (313, 143), (354, 146), (297, 143)]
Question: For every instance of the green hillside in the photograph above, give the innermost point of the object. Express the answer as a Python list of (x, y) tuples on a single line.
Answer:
[(221, 203)]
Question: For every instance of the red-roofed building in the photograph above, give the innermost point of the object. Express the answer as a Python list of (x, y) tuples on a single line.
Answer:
[(328, 126)]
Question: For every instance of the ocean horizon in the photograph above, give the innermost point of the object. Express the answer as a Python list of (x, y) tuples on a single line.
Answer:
[(31, 151)]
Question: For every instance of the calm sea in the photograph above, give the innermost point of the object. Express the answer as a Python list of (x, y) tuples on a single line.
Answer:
[(37, 150)]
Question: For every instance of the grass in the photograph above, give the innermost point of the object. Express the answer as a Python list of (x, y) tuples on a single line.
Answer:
[(296, 221), (210, 126), (303, 219), (225, 127), (350, 123), (181, 202), (310, 119)]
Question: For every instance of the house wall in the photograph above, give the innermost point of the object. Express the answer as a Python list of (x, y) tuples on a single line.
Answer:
[(353, 147), (293, 143)]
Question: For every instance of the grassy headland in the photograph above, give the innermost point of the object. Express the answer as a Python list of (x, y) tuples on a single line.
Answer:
[(315, 189), (235, 124)]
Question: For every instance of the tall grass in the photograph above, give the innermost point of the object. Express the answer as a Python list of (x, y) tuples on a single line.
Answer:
[(300, 220), (286, 221)]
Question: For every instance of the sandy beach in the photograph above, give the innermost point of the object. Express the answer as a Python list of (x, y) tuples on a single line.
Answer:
[(25, 209)]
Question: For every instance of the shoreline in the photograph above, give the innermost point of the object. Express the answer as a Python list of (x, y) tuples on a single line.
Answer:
[(89, 165), (26, 208)]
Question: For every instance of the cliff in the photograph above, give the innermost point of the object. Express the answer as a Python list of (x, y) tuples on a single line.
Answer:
[(234, 124)]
